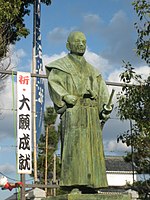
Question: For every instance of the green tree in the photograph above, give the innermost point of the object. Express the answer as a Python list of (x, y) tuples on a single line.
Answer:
[(12, 29), (134, 104), (142, 8), (53, 139), (12, 25), (134, 100)]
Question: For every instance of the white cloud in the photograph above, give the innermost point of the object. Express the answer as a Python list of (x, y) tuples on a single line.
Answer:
[(59, 34), (113, 146), (98, 62), (7, 168), (16, 56), (91, 23), (6, 95), (120, 42), (10, 62), (120, 17), (114, 76), (6, 109), (144, 71), (91, 18)]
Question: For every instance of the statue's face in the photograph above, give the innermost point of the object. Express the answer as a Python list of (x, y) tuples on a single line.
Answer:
[(78, 44)]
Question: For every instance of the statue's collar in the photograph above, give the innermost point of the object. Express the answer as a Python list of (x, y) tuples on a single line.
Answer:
[(74, 58)]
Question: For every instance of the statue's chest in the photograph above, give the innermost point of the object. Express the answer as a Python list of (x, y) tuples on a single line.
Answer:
[(80, 79)]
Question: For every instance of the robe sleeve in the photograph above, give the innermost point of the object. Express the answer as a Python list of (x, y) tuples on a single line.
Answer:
[(57, 87)]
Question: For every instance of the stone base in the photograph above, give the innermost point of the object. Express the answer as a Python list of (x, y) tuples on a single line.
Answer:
[(108, 196)]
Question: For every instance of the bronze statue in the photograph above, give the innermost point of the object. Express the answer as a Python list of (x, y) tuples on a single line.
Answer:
[(79, 94)]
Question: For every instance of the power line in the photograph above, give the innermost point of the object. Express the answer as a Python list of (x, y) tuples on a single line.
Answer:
[(8, 177), (13, 178)]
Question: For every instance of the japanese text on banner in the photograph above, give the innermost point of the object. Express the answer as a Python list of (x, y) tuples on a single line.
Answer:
[(24, 126)]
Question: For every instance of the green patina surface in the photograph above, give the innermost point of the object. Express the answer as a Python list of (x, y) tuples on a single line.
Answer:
[(79, 92), (91, 197)]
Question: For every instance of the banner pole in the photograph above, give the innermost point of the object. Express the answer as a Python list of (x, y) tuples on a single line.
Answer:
[(34, 92)]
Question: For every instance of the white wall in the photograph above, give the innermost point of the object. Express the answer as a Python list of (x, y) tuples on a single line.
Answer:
[(119, 179)]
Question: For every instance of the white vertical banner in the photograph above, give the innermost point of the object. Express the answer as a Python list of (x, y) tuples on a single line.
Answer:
[(24, 126)]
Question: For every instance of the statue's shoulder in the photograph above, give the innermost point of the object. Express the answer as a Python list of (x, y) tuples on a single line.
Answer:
[(57, 63), (60, 64)]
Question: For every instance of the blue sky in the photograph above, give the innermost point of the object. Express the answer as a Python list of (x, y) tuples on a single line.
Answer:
[(109, 28)]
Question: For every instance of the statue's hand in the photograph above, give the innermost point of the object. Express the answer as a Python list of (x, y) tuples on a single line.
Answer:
[(92, 93), (105, 113), (70, 99)]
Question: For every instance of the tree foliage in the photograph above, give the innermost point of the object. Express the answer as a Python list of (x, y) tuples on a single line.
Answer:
[(12, 28), (53, 138), (12, 25), (142, 8), (134, 104), (134, 100)]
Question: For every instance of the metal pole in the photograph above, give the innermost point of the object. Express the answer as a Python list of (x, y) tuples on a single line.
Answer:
[(132, 151), (9, 72), (34, 92), (22, 176), (45, 76), (46, 153), (54, 173)]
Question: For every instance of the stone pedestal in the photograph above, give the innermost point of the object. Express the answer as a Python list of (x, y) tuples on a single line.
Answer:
[(36, 194), (108, 196)]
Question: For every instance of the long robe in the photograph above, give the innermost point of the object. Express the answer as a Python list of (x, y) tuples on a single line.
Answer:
[(83, 161)]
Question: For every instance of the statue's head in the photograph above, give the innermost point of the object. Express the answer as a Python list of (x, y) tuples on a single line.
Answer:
[(76, 43)]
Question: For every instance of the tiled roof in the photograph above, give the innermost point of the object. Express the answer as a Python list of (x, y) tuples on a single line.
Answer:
[(117, 163)]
